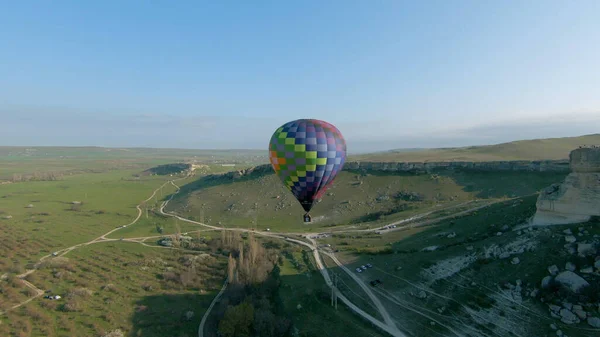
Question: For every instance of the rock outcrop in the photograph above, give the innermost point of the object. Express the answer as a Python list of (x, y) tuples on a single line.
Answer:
[(421, 167), (540, 166), (577, 199)]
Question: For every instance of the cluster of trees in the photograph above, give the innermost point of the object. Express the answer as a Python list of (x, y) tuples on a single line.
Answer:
[(252, 306), (37, 176), (168, 169), (250, 263)]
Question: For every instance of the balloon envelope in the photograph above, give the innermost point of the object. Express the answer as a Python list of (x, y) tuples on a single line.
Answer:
[(307, 154)]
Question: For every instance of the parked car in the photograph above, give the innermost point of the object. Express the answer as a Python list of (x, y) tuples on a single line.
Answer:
[(363, 267), (369, 265), (358, 270)]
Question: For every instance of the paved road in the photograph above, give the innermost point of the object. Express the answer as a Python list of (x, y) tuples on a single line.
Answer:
[(212, 304), (386, 316), (387, 327)]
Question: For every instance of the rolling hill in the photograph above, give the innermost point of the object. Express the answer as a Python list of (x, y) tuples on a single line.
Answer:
[(535, 149)]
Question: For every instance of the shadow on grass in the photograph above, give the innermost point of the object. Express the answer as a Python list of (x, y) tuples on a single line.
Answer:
[(175, 315), (301, 302)]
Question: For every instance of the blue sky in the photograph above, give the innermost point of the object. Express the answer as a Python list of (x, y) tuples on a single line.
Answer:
[(389, 74)]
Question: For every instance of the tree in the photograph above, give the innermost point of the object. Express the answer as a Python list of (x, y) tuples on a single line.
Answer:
[(238, 321), (264, 323), (231, 268)]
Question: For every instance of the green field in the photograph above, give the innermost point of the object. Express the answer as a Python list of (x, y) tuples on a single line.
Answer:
[(44, 218), (537, 149), (126, 286), (307, 299), (73, 160)]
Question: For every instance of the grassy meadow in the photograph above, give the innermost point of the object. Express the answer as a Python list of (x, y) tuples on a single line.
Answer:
[(44, 217), (140, 290), (103, 280), (73, 160), (261, 201)]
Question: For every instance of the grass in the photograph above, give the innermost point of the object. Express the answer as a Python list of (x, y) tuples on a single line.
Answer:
[(137, 289), (262, 202), (536, 149), (54, 222), (307, 299), (480, 286), (27, 160)]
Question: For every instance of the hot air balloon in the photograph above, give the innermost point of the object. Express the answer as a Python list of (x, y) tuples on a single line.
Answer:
[(307, 154)]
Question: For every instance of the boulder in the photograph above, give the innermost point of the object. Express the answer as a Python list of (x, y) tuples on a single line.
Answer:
[(580, 313), (587, 270), (554, 308), (594, 321), (515, 261), (570, 266), (115, 333), (585, 249), (568, 317), (570, 238), (546, 282), (571, 281), (553, 269)]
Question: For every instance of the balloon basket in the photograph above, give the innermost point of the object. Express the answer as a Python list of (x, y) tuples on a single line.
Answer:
[(307, 218)]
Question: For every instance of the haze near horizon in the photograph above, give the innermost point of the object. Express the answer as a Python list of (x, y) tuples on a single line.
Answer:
[(226, 75)]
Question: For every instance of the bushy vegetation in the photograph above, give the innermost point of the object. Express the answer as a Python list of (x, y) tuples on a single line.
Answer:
[(252, 306)]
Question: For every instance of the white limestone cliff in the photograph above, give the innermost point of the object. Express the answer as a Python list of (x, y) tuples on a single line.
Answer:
[(577, 199)]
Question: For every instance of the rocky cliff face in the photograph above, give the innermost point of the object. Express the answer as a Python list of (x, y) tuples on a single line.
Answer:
[(577, 199), (539, 166)]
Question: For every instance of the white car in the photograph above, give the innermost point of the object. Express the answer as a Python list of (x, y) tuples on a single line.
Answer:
[(363, 267), (358, 270)]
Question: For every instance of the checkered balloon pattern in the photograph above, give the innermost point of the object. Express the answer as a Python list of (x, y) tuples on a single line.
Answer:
[(307, 154)]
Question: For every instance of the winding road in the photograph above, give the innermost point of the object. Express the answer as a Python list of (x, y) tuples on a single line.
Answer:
[(388, 326)]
